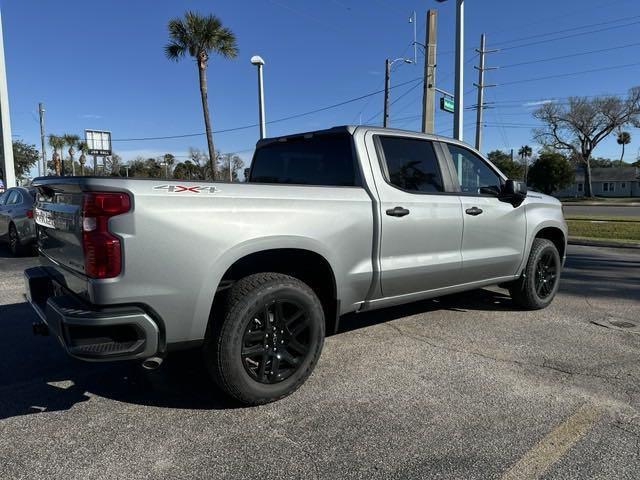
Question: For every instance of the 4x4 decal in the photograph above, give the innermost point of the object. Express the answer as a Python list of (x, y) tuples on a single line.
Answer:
[(187, 188)]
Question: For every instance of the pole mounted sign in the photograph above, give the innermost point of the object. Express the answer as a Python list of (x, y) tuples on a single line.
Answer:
[(447, 104), (98, 142)]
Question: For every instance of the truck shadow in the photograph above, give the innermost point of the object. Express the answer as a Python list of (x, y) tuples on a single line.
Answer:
[(487, 300), (36, 376)]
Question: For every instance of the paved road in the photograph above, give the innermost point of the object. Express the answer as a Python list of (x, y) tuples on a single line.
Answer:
[(612, 211), (461, 387)]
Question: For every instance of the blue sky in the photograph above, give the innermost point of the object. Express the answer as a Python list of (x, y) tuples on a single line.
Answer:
[(100, 64)]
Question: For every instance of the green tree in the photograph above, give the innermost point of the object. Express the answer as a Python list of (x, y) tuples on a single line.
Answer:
[(56, 142), (112, 165), (186, 170), (598, 162), (525, 153), (230, 160), (199, 36), (83, 148), (25, 156), (71, 140), (580, 125), (550, 172), (624, 138), (502, 160)]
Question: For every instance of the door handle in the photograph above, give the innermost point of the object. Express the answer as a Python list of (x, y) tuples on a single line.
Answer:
[(397, 212), (473, 211)]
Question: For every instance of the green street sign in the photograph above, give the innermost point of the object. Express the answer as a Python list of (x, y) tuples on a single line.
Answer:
[(446, 104)]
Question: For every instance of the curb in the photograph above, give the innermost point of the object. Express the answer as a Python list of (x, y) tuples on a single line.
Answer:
[(599, 204), (588, 242)]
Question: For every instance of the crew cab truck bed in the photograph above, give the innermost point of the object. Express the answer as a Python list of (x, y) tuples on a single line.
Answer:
[(335, 221)]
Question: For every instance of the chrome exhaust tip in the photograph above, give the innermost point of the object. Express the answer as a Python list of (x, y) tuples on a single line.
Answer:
[(152, 363)]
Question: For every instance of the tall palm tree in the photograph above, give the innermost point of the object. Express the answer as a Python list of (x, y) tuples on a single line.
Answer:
[(56, 143), (83, 148), (71, 140), (199, 36), (525, 153), (624, 138)]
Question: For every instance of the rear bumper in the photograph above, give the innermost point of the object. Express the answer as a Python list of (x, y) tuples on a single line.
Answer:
[(86, 331)]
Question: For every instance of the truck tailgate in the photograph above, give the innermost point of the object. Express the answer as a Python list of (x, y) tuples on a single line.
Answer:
[(58, 218)]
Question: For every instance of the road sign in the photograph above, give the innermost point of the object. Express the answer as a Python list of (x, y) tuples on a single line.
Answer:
[(99, 142), (447, 104)]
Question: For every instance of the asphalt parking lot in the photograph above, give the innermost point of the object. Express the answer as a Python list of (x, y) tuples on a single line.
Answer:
[(461, 387)]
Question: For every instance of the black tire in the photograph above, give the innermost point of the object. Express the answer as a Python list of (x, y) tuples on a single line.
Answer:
[(254, 306), (539, 282), (15, 246)]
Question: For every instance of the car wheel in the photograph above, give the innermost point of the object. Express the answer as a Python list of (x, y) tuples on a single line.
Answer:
[(14, 241), (540, 280), (269, 339)]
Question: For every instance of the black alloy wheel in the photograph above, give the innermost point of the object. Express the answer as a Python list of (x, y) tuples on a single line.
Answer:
[(540, 280), (276, 341), (546, 274), (267, 338), (14, 240)]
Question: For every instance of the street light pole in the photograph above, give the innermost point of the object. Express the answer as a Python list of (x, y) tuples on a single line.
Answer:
[(387, 87), (6, 144), (458, 121), (259, 62), (387, 81)]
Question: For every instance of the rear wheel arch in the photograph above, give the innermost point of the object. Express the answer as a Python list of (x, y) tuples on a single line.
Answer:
[(307, 266)]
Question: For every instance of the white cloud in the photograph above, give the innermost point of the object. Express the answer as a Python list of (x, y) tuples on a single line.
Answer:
[(91, 116), (537, 103)]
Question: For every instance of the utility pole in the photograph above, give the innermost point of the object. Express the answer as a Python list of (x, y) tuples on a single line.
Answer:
[(481, 86), (387, 82), (42, 169), (429, 92), (458, 120), (6, 144)]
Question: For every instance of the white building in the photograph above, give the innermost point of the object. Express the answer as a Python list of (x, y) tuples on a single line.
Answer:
[(606, 182)]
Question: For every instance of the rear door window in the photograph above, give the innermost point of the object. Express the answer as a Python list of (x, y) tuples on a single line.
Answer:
[(14, 197), (412, 164), (319, 159)]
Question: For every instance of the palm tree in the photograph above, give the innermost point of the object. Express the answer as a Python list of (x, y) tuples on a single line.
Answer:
[(199, 36), (56, 143), (71, 141), (83, 148), (525, 152), (624, 138)]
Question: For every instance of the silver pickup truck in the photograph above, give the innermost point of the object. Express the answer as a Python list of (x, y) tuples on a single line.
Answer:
[(342, 220)]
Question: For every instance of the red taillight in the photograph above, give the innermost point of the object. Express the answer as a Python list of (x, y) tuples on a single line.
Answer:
[(29, 213), (102, 249)]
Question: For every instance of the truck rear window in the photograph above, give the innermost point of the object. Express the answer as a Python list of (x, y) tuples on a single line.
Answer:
[(320, 159)]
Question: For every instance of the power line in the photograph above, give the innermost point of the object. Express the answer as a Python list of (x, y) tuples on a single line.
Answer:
[(562, 75), (538, 42), (283, 119), (571, 12), (549, 59), (573, 29)]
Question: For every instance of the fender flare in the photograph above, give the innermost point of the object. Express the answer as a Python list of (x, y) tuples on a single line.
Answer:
[(218, 267)]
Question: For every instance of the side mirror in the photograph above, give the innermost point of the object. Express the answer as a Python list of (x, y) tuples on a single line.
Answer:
[(514, 192)]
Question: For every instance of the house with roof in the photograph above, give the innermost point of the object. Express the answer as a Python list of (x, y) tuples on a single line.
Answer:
[(606, 182)]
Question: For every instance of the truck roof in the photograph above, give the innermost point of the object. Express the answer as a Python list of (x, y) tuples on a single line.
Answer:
[(351, 129)]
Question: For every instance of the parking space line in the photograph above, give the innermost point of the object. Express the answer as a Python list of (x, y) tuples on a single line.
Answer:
[(554, 445)]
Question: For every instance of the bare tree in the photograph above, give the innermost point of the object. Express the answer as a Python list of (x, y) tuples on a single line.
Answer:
[(583, 123)]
